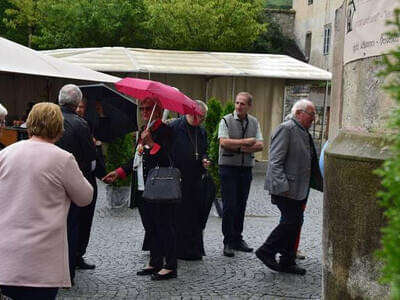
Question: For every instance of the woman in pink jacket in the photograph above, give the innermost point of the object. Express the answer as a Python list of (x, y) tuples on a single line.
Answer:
[(38, 181)]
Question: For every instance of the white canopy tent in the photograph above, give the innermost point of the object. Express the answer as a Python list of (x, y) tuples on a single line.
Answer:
[(202, 75), (15, 58), (28, 75), (117, 59)]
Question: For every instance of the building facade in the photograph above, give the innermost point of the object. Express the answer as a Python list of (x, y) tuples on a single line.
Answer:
[(314, 30)]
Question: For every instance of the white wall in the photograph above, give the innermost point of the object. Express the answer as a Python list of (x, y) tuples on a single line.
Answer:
[(312, 18)]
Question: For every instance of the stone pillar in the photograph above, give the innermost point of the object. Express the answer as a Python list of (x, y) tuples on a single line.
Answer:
[(352, 216)]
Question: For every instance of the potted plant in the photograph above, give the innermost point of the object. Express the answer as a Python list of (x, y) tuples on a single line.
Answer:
[(118, 153)]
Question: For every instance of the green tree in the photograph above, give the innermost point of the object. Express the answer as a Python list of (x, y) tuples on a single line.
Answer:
[(390, 173), (23, 15), (214, 25), (88, 23)]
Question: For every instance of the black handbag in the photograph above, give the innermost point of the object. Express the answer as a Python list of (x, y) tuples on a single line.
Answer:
[(163, 185)]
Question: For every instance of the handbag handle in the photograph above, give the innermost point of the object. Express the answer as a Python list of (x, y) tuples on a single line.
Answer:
[(171, 164)]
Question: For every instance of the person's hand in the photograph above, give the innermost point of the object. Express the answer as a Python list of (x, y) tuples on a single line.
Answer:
[(206, 163), (146, 137), (110, 177), (249, 141)]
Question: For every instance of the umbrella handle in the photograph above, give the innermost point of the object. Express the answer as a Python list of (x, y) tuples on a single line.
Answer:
[(151, 116)]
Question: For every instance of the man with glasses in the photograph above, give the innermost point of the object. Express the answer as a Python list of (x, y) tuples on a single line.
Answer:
[(292, 170)]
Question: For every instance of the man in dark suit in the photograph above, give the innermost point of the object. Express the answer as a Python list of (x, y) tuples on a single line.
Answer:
[(86, 213), (77, 140), (292, 170)]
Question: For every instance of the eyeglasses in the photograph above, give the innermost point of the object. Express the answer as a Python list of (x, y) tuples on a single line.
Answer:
[(146, 108), (311, 114)]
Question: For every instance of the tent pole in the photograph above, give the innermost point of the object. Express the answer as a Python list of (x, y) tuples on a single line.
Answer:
[(233, 88), (324, 115), (206, 97)]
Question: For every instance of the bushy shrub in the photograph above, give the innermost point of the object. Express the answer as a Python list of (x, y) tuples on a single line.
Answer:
[(390, 173), (215, 113), (119, 152)]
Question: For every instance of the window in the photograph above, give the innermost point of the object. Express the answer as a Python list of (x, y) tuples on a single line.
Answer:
[(307, 51), (327, 38), (310, 2)]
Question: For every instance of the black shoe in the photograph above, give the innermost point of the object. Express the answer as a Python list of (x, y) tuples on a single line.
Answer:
[(81, 264), (300, 255), (268, 260), (242, 246), (293, 269), (170, 275), (147, 271), (228, 250)]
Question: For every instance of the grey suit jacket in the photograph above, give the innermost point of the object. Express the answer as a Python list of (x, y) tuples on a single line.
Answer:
[(291, 171)]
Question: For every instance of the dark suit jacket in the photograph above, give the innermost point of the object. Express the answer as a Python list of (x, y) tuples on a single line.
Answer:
[(77, 140)]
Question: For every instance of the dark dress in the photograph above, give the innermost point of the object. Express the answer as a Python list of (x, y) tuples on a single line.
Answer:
[(190, 213), (157, 219)]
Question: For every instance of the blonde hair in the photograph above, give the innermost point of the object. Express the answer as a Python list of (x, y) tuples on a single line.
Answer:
[(45, 120)]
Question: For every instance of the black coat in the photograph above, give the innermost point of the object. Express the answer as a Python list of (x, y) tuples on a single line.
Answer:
[(192, 213), (77, 140), (162, 135)]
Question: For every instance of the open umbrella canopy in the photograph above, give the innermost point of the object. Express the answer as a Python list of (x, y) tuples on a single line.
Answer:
[(168, 97), (109, 113)]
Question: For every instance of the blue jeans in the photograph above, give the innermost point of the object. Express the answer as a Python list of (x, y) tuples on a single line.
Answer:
[(235, 187)]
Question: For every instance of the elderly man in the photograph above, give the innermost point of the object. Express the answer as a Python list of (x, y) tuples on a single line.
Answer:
[(190, 156), (239, 137), (292, 170), (77, 140)]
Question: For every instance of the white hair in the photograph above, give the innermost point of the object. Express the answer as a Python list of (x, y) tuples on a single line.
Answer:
[(3, 111), (70, 94), (301, 104), (202, 105)]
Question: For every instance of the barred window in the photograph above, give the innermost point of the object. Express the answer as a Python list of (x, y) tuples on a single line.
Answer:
[(327, 38)]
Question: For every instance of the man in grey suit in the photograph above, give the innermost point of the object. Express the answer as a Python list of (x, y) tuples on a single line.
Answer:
[(292, 170)]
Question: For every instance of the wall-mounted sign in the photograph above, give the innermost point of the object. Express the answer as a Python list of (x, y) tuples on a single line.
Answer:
[(366, 27)]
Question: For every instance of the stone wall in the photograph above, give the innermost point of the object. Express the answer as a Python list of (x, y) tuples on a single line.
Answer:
[(285, 19)]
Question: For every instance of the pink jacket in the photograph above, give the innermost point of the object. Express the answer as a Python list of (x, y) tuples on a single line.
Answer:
[(38, 181)]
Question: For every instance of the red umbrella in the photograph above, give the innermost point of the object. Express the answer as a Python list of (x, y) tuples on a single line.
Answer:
[(168, 96)]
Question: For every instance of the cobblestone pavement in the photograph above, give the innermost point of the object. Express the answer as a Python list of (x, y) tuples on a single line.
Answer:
[(115, 249)]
